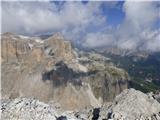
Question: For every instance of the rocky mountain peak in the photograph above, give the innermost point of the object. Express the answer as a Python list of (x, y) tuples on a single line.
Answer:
[(7, 33), (51, 71), (57, 35), (30, 69)]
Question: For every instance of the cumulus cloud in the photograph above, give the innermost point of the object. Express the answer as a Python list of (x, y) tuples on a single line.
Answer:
[(96, 40), (27, 17), (141, 14), (39, 17), (136, 32), (85, 24), (138, 25), (153, 40)]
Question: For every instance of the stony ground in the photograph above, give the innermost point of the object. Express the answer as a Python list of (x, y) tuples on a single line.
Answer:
[(129, 105)]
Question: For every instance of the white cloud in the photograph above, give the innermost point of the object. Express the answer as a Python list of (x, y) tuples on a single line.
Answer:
[(39, 17), (136, 31), (153, 40), (28, 17), (74, 19), (98, 40), (141, 15), (140, 18)]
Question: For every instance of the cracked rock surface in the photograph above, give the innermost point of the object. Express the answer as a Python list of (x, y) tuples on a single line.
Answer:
[(129, 105)]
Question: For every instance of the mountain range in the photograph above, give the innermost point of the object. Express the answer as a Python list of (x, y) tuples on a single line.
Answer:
[(53, 70)]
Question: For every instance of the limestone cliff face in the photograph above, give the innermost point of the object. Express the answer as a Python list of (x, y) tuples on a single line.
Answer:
[(60, 48), (51, 70), (25, 59), (21, 48), (105, 79)]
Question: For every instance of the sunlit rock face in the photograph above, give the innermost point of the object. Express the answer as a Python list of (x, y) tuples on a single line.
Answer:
[(50, 69)]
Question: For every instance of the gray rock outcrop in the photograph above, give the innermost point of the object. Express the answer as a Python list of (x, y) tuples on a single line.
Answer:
[(129, 105), (132, 105)]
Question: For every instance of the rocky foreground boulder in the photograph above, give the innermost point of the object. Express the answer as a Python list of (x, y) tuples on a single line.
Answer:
[(129, 105)]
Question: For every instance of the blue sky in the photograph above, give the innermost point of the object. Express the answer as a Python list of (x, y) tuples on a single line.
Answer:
[(116, 14), (90, 24)]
